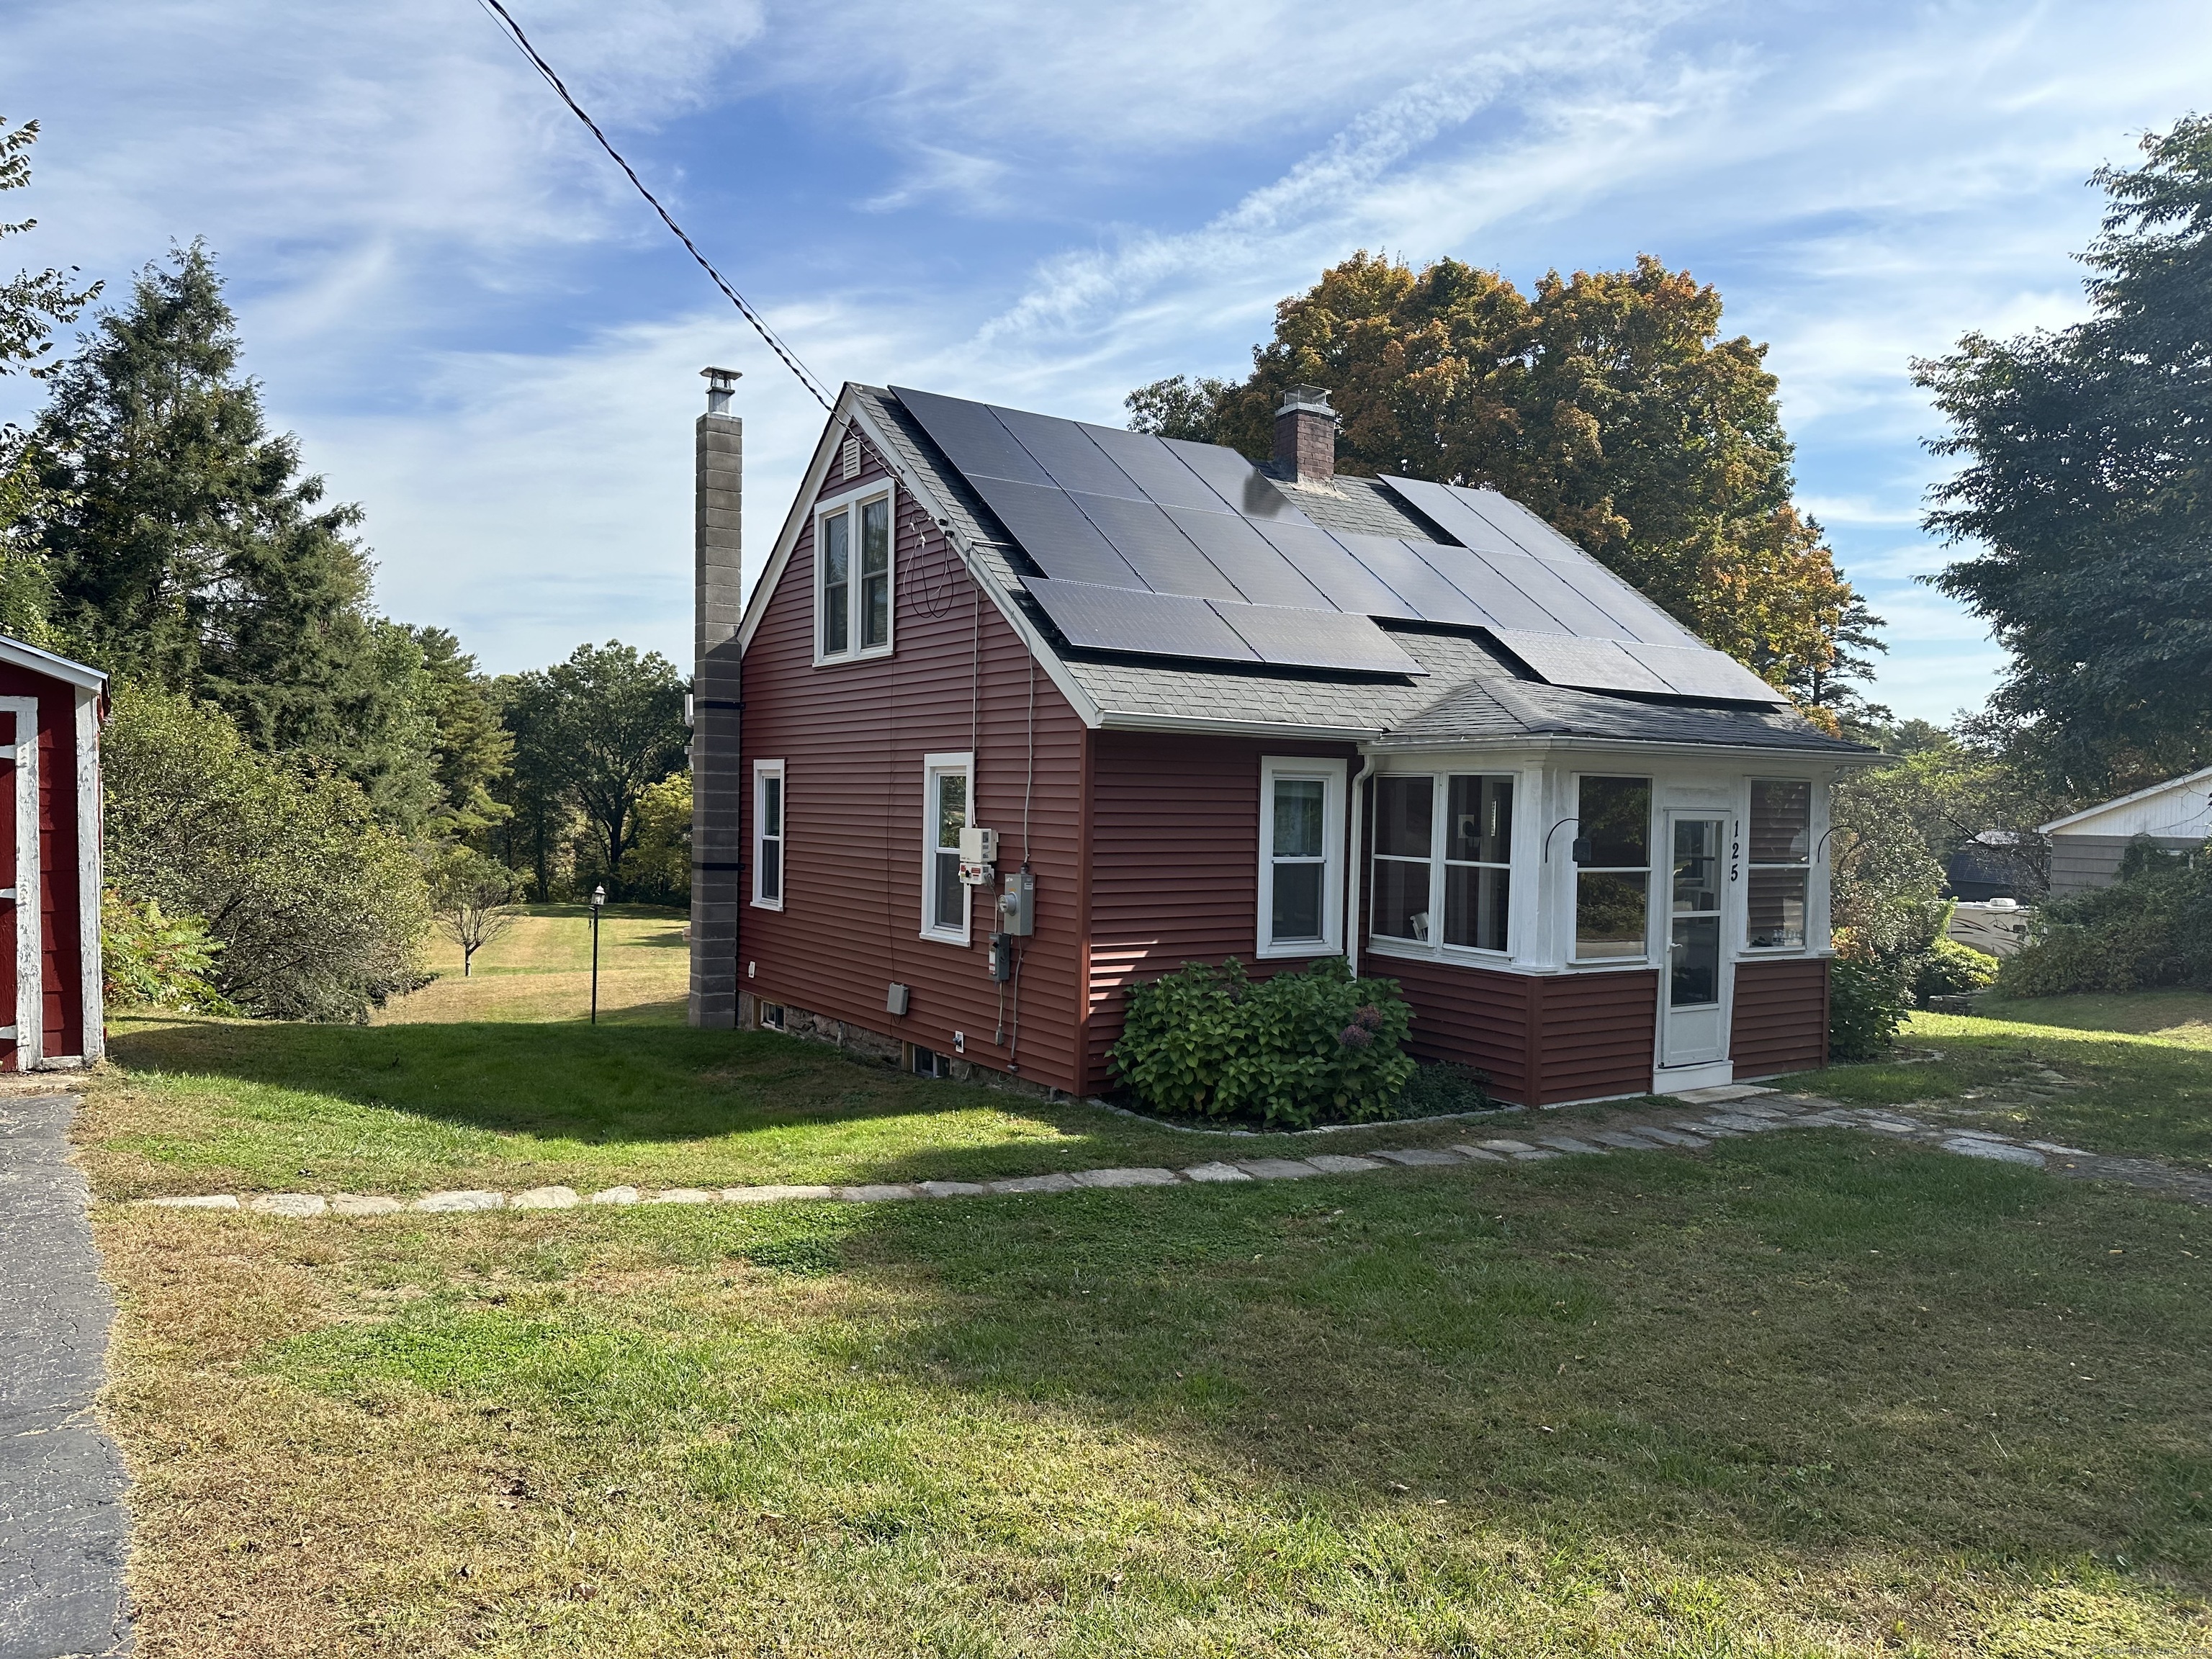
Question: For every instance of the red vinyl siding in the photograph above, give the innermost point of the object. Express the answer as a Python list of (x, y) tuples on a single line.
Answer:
[(57, 911), (1175, 871), (1475, 1016), (1781, 1017), (1595, 1036), (852, 737)]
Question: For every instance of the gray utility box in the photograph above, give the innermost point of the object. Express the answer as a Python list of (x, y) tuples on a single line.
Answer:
[(1017, 904)]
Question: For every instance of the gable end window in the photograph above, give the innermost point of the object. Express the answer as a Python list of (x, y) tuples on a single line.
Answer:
[(947, 781), (767, 834), (1301, 857), (1780, 864), (853, 570)]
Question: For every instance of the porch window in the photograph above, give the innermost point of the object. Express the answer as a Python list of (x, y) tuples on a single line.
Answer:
[(944, 896), (852, 598), (1781, 861), (1301, 857), (1613, 876), (767, 834), (1444, 849)]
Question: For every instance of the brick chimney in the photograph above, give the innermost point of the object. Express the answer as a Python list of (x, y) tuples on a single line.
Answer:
[(1305, 436), (717, 788)]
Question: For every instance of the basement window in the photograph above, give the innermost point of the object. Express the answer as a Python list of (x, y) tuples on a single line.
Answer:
[(853, 559)]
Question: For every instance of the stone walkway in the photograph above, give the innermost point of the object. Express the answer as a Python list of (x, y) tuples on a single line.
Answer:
[(62, 1524), (1722, 1113)]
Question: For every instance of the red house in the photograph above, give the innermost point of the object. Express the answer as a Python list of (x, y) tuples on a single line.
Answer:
[(1022, 711), (50, 713)]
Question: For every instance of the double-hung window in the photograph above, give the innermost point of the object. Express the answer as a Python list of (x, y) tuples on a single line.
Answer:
[(946, 781), (1780, 864), (853, 577), (1444, 856), (1301, 857), (1613, 874), (767, 834)]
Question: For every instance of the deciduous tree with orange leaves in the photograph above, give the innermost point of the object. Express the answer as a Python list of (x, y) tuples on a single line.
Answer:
[(1607, 402)]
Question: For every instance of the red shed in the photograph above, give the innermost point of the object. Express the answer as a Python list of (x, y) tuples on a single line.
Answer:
[(1022, 711), (50, 715)]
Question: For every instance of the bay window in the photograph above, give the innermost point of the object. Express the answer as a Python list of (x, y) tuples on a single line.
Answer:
[(1443, 855), (1780, 864), (1612, 873)]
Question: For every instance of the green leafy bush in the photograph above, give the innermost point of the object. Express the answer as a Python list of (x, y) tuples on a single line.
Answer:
[(1950, 968), (2151, 928), (1867, 1000), (1439, 1089), (1291, 1050), (148, 960)]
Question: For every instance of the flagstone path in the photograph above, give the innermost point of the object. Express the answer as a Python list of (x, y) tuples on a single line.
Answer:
[(1720, 1114)]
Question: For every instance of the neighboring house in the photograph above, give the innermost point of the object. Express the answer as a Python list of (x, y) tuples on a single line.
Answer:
[(49, 982), (1214, 710), (2087, 847)]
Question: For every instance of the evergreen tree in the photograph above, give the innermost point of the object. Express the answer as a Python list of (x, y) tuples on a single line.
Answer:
[(1608, 403), (189, 552), (2087, 486), (474, 752)]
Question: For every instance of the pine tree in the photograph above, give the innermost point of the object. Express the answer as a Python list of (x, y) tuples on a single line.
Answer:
[(189, 552)]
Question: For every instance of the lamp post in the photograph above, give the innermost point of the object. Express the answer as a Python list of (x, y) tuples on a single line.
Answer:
[(599, 902)]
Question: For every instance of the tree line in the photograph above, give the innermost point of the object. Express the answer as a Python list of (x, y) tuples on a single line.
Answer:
[(303, 778)]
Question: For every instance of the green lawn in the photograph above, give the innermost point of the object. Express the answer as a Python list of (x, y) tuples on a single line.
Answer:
[(1818, 1394), (2133, 1073)]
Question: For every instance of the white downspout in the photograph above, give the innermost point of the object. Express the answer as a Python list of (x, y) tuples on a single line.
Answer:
[(1352, 870)]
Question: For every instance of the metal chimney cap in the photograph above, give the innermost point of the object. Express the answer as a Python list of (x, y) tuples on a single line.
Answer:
[(722, 380), (1313, 398)]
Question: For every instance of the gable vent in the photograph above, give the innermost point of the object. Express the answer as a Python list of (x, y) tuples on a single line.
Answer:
[(851, 458)]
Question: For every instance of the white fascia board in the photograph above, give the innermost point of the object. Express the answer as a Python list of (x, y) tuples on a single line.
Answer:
[(45, 662), (2118, 801)]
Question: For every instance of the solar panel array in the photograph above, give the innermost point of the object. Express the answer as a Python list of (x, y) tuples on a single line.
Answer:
[(1192, 536)]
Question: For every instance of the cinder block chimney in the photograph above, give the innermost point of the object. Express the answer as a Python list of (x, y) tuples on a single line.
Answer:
[(717, 785), (1305, 436)]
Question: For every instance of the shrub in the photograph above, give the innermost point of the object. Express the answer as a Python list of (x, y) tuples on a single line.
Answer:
[(1867, 1000), (318, 908), (1950, 968), (1289, 1051), (148, 960), (2151, 928)]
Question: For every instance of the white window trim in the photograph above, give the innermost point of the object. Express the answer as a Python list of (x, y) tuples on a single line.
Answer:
[(848, 501), (763, 770), (1653, 897), (1332, 775), (1812, 814), (933, 767), (1437, 949)]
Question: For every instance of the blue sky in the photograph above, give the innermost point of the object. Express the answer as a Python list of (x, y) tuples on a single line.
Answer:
[(447, 290)]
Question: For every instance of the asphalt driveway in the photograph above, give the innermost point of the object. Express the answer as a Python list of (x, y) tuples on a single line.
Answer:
[(62, 1522)]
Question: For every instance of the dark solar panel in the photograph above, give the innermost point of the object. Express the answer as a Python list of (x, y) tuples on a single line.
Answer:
[(1246, 489), (1317, 639), (1542, 581), (1618, 598), (1239, 552), (1589, 664), (1327, 562), (1429, 596), (1147, 539), (1156, 469), (1474, 575), (1066, 451), (1156, 625), (1699, 671), (1455, 516), (972, 436), (1052, 530)]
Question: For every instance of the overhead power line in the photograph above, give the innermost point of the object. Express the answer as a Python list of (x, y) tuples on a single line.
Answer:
[(790, 358)]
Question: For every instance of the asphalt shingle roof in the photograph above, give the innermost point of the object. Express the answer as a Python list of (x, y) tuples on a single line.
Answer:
[(1468, 694)]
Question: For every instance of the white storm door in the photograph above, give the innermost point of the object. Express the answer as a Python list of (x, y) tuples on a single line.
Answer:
[(1693, 990)]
